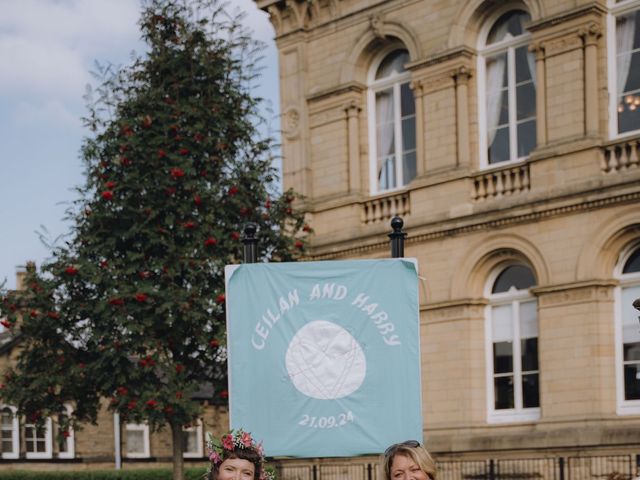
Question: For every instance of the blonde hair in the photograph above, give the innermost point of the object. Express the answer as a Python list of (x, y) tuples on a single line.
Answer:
[(418, 454)]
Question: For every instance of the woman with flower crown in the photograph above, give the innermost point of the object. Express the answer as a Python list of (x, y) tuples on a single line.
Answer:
[(237, 457)]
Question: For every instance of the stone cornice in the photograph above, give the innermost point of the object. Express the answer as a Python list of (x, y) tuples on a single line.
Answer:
[(464, 53), (442, 229), (575, 13), (453, 304), (563, 287), (352, 87)]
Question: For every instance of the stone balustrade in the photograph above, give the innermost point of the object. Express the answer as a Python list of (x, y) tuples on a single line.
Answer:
[(620, 155), (386, 207), (508, 180)]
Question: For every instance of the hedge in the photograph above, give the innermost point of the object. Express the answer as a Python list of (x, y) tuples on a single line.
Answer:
[(137, 474)]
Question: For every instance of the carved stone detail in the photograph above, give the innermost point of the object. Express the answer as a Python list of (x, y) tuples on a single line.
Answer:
[(461, 75), (590, 34), (537, 48), (275, 15), (291, 122), (376, 23), (288, 15)]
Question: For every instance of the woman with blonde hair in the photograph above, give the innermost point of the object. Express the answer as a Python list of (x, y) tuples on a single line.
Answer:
[(408, 461)]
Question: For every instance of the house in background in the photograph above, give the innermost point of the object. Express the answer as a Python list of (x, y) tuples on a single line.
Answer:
[(111, 441), (506, 135)]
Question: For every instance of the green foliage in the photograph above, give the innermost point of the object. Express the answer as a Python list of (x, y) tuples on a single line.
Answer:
[(131, 307), (138, 474)]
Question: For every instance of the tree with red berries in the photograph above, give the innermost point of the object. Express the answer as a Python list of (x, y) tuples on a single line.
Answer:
[(131, 307)]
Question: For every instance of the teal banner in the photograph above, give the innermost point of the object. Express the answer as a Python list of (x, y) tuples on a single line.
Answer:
[(324, 357)]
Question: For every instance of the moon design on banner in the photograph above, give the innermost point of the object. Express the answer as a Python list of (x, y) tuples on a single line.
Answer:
[(324, 361)]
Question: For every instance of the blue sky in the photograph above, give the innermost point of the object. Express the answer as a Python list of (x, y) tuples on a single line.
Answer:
[(47, 50)]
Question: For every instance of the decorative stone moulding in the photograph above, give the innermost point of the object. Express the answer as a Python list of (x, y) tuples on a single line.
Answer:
[(505, 181), (384, 208)]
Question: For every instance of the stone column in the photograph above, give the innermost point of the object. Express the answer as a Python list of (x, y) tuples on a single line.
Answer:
[(353, 146), (461, 77), (541, 94), (590, 37), (418, 93)]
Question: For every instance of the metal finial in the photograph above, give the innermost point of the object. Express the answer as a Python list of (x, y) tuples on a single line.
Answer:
[(397, 237), (250, 242)]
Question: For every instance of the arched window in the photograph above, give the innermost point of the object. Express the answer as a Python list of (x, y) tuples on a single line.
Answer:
[(9, 433), (507, 90), (628, 333), (512, 346), (392, 122), (624, 66)]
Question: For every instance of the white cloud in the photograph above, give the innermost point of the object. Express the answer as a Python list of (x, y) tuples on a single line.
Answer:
[(48, 48)]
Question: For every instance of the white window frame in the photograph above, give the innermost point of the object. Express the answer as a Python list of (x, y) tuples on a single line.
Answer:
[(48, 441), (623, 407), (137, 427), (513, 298), (484, 51), (15, 434), (616, 9), (70, 440), (395, 81), (199, 452)]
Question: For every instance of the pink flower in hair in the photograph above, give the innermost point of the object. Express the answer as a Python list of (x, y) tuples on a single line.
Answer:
[(227, 442), (215, 458), (246, 439)]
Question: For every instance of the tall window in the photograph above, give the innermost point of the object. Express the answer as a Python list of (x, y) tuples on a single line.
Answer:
[(192, 439), (38, 440), (65, 438), (137, 440), (507, 91), (628, 334), (512, 347), (624, 68), (9, 439), (393, 119)]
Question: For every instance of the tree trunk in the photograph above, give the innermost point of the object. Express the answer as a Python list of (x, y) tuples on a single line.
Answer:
[(178, 460)]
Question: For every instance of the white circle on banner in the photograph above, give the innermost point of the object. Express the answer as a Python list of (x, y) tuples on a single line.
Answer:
[(324, 361)]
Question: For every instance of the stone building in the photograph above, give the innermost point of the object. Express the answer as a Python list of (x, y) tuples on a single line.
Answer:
[(506, 135)]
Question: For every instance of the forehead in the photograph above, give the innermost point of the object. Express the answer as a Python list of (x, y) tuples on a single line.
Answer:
[(402, 461), (238, 463)]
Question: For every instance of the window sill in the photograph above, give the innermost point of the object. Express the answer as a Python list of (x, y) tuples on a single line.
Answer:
[(629, 408), (38, 456), (511, 416)]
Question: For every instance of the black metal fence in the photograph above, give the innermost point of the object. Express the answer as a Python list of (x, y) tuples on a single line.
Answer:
[(611, 467)]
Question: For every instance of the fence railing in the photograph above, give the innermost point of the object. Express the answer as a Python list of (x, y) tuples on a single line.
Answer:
[(611, 467)]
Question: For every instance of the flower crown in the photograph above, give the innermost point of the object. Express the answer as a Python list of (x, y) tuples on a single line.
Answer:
[(237, 439)]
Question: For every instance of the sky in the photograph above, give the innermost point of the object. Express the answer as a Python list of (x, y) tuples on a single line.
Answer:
[(48, 49)]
